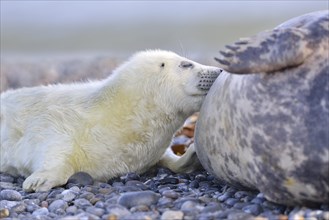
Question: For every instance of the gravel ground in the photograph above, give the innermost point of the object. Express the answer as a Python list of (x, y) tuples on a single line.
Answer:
[(157, 194)]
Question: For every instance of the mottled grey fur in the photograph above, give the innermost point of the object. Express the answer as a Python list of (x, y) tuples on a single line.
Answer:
[(265, 122)]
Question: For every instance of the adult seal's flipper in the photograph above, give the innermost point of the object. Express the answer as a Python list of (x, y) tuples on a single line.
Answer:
[(268, 51)]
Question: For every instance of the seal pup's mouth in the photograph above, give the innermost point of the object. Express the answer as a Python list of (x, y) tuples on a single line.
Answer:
[(207, 79)]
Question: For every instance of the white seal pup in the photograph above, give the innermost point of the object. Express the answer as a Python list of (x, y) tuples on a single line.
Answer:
[(106, 128)]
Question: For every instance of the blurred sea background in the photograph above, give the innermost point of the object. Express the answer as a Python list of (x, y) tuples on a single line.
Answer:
[(40, 30)]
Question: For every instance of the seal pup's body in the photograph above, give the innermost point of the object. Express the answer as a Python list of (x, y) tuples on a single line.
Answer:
[(105, 128)]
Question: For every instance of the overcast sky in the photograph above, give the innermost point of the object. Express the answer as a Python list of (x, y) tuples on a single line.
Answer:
[(27, 23)]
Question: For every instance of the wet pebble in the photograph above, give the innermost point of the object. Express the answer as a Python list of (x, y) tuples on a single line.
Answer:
[(254, 209), (10, 195), (131, 199), (157, 194), (81, 179), (41, 211), (170, 194), (57, 204), (172, 215)]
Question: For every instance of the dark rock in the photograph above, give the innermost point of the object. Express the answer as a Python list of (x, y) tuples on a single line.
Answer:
[(254, 209), (10, 195), (131, 199), (82, 203), (57, 204), (81, 179)]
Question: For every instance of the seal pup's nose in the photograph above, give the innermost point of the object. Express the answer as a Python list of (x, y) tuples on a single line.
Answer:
[(208, 78)]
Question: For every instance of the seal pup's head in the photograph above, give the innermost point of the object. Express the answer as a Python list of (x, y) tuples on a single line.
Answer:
[(170, 78)]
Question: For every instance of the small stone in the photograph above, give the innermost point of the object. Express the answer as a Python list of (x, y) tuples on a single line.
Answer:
[(165, 202), (225, 196), (254, 209), (55, 194), (100, 204), (170, 194), (8, 204), (194, 184), (75, 189), (57, 204), (200, 177), (231, 201), (10, 195), (6, 178), (95, 211), (44, 204), (19, 208), (71, 210), (82, 203), (41, 211), (137, 184), (239, 215), (117, 210), (241, 194), (162, 171), (140, 208), (5, 185), (257, 200), (172, 215), (188, 206), (240, 205), (131, 199), (68, 195), (81, 178), (212, 208), (4, 213), (170, 180), (129, 176)]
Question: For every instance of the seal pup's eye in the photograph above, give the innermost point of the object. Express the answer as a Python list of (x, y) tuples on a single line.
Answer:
[(186, 64), (162, 65)]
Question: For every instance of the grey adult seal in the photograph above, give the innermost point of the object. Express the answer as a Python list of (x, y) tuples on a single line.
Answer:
[(264, 124)]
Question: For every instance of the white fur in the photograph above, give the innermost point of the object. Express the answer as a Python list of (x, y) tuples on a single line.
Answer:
[(106, 128)]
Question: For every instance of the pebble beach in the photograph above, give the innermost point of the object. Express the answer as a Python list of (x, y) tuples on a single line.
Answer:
[(157, 194)]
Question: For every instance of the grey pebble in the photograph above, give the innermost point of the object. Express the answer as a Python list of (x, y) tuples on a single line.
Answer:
[(19, 208), (231, 201), (81, 178), (82, 203), (239, 215), (137, 184), (8, 204), (117, 210), (57, 204), (254, 209), (95, 211), (170, 194), (41, 211), (215, 207), (188, 205), (10, 195), (131, 199), (172, 215), (5, 185), (6, 178), (165, 202), (68, 195), (225, 196), (71, 210)]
